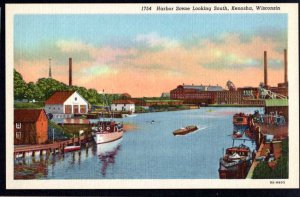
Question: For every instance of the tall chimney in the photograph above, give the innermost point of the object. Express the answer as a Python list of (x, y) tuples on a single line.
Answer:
[(70, 71), (285, 66), (265, 69)]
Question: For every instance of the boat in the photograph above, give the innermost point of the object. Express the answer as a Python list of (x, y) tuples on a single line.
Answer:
[(236, 162), (71, 148), (107, 131), (186, 130), (240, 124), (240, 119)]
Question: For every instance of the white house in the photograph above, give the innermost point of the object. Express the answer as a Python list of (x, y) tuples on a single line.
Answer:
[(64, 104), (123, 105)]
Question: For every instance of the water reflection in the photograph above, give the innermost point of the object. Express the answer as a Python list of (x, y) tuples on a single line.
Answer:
[(30, 168), (107, 153)]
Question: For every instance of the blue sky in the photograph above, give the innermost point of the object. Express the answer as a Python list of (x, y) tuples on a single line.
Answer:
[(30, 30)]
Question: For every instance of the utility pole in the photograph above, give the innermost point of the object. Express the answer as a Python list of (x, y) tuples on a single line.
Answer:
[(53, 136)]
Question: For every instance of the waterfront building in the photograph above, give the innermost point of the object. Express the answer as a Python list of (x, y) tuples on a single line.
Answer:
[(191, 94), (277, 106), (195, 94), (123, 105), (30, 126), (64, 104)]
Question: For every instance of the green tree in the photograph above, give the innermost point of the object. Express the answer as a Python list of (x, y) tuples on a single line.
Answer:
[(19, 86), (48, 86), (33, 92)]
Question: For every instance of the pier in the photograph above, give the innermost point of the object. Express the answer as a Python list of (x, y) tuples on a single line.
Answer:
[(45, 149)]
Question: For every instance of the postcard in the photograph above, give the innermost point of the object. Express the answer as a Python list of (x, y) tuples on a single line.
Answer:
[(115, 96)]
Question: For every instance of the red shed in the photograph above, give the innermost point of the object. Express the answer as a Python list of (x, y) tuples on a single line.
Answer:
[(30, 126)]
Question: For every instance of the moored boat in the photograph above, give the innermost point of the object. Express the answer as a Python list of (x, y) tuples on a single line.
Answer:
[(235, 163), (240, 124), (71, 148), (186, 130), (108, 131)]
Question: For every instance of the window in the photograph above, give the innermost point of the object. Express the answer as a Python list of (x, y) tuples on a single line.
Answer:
[(18, 125), (75, 98), (18, 135)]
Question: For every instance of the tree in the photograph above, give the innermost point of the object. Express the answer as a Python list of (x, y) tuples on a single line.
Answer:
[(33, 92), (48, 86), (19, 86)]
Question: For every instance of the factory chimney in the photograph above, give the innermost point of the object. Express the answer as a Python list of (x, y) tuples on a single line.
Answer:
[(285, 67), (70, 71), (265, 69), (50, 73)]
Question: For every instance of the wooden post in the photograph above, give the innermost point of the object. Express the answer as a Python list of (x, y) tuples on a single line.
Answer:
[(63, 148)]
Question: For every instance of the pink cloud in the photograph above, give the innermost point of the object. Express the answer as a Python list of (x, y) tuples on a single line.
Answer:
[(151, 72)]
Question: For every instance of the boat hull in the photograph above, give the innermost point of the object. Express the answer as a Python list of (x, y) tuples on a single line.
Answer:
[(106, 137), (71, 148), (185, 131)]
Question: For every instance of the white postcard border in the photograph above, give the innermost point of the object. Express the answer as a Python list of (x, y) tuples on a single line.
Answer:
[(293, 71)]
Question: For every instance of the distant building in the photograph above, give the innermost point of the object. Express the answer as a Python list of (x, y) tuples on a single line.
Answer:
[(30, 126), (123, 105), (165, 95), (195, 94), (64, 104)]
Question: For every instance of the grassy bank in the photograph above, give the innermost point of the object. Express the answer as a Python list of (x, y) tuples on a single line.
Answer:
[(281, 171), (160, 108), (26, 105), (232, 105), (59, 132)]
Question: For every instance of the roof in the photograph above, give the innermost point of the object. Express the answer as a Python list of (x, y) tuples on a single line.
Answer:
[(123, 102), (202, 87), (276, 102), (126, 95), (27, 115), (59, 97)]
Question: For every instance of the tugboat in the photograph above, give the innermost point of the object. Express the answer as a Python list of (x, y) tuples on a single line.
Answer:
[(186, 130), (235, 163)]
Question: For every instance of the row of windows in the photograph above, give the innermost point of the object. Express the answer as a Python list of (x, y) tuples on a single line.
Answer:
[(54, 108)]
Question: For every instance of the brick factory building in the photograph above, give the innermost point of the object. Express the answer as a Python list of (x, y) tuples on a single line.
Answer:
[(30, 126), (195, 94), (198, 95)]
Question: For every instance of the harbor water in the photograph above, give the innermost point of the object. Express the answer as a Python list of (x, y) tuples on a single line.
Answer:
[(148, 151)]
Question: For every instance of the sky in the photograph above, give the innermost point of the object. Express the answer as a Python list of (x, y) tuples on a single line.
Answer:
[(145, 55)]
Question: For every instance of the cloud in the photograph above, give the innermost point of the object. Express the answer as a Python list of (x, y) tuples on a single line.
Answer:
[(153, 40), (151, 63)]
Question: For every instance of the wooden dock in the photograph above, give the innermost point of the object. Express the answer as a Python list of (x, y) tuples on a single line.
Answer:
[(46, 149)]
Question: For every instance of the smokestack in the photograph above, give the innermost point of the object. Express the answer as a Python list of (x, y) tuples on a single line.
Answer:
[(265, 69), (70, 71), (285, 66)]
